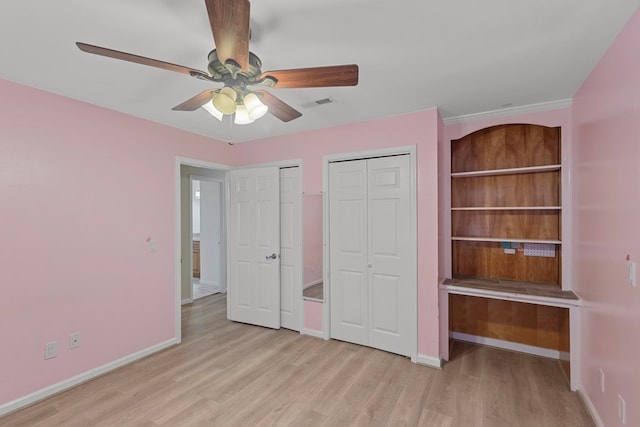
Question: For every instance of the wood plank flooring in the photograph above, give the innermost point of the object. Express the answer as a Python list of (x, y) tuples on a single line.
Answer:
[(231, 374)]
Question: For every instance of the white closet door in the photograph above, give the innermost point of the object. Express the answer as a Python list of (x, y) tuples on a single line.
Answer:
[(290, 250), (373, 290), (348, 251), (391, 292), (254, 246)]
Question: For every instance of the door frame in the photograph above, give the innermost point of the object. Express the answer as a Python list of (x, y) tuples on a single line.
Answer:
[(185, 161), (283, 164), (366, 154)]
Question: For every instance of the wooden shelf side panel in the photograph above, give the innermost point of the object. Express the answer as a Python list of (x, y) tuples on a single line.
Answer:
[(530, 324), (487, 259), (530, 189), (506, 146)]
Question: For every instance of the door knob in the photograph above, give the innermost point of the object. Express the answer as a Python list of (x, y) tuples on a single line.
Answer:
[(272, 256)]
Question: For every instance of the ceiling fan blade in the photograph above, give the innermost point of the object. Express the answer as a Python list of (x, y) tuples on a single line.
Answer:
[(277, 107), (229, 20), (336, 75), (103, 51), (192, 104)]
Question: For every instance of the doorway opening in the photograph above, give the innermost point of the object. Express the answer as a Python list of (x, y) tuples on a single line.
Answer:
[(207, 234)]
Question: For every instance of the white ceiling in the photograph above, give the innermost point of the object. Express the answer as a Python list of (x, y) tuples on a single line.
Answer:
[(462, 56)]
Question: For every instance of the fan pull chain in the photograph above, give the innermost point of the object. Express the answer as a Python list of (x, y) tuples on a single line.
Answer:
[(230, 135)]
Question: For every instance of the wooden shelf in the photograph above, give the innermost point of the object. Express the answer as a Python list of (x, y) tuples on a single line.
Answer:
[(504, 239), (508, 171), (508, 208), (511, 290)]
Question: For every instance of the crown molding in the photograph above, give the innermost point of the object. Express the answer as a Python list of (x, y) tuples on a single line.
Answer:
[(504, 112)]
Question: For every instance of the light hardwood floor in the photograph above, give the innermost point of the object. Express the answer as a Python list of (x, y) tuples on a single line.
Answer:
[(231, 374)]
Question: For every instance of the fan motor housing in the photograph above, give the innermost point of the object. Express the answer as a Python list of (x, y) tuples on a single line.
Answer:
[(221, 72)]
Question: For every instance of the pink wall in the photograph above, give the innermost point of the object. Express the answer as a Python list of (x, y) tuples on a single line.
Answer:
[(420, 129), (81, 188), (313, 316), (606, 118)]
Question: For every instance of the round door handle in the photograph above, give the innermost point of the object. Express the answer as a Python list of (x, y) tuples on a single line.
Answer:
[(272, 256), (369, 265)]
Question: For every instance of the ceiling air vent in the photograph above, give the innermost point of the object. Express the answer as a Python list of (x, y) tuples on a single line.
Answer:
[(324, 101)]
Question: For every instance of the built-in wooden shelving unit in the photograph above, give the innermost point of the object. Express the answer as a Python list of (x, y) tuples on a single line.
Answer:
[(506, 239)]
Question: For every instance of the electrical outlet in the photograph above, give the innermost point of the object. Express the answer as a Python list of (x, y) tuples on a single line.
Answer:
[(51, 350), (74, 340), (601, 380), (622, 410)]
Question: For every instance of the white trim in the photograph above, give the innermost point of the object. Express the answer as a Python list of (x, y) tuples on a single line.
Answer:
[(187, 301), (507, 345), (575, 348), (512, 296), (326, 291), (591, 409), (81, 378), (279, 163), (430, 361), (505, 112), (312, 333), (209, 283), (366, 154)]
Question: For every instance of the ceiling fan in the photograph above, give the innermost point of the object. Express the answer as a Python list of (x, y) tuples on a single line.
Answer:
[(239, 70)]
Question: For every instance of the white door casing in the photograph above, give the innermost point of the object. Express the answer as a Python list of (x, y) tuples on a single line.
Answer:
[(254, 246), (372, 286), (290, 248)]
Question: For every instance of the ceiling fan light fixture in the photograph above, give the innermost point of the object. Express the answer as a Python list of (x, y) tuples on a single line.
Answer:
[(242, 115), (213, 110), (255, 107), (225, 100)]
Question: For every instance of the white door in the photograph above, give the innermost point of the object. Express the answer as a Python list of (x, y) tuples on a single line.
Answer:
[(254, 247), (290, 248), (391, 287), (372, 286), (348, 251)]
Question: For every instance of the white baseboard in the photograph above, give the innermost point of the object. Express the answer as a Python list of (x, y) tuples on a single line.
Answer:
[(186, 301), (507, 345), (209, 283), (312, 333), (590, 408), (430, 361), (81, 378)]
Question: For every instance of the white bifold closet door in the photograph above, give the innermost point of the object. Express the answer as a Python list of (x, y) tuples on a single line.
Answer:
[(372, 288)]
